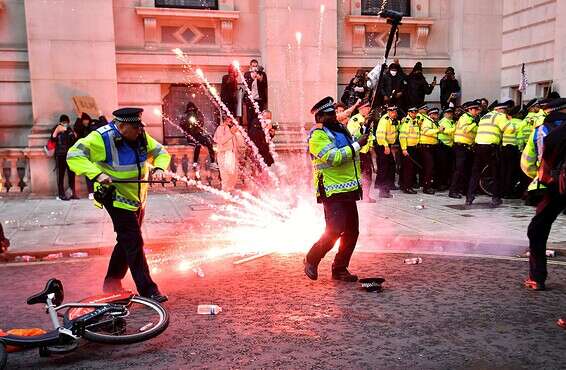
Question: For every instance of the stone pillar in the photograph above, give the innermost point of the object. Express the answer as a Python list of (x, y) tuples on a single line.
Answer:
[(559, 83), (298, 74), (71, 48), (475, 47)]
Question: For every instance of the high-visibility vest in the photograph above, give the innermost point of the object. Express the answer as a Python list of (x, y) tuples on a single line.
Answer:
[(491, 128), (386, 132), (447, 136), (429, 131), (355, 126), (510, 133), (336, 165), (409, 132), (466, 129), (106, 151)]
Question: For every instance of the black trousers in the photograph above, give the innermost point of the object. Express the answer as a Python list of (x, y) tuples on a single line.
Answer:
[(128, 252), (510, 167), (89, 185), (463, 160), (385, 169), (444, 167), (547, 211), (199, 141), (366, 165), (62, 168), (407, 178), (427, 154), (341, 222), (485, 155)]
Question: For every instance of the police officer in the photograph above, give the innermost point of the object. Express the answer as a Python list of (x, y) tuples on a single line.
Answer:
[(488, 141), (336, 172), (554, 200), (510, 156), (464, 137), (445, 158), (386, 136), (122, 150), (408, 139), (428, 144), (357, 127)]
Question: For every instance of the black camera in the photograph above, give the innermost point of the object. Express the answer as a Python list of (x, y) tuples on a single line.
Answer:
[(391, 15)]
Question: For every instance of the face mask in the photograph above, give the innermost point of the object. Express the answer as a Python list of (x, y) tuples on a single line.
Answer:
[(393, 73)]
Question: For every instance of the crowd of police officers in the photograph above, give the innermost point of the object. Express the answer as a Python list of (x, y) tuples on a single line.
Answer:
[(450, 150)]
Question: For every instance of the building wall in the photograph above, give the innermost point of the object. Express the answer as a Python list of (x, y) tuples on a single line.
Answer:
[(15, 91), (532, 33)]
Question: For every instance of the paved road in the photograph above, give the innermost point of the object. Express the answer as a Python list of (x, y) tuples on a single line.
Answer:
[(447, 313)]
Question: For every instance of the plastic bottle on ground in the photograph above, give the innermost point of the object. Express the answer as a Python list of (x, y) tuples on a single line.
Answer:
[(413, 261), (78, 255), (208, 309)]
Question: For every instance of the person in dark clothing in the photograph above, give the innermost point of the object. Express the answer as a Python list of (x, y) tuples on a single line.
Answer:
[(484, 106), (229, 89), (355, 90), (394, 86), (417, 87), (551, 173), (4, 242), (449, 89), (256, 81), (83, 126), (257, 135), (64, 138), (196, 134)]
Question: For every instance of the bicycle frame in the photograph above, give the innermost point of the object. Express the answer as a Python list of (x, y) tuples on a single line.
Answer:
[(84, 313)]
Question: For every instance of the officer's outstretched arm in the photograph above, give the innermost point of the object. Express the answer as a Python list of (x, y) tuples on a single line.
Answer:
[(81, 156), (323, 148), (161, 158)]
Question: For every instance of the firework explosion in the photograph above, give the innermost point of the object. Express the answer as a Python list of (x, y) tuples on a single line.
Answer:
[(280, 216)]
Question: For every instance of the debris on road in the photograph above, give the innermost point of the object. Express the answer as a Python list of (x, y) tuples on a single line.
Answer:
[(208, 309), (52, 256), (25, 259), (79, 255), (413, 261)]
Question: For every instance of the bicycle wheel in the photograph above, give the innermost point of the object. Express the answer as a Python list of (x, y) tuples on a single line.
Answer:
[(487, 180), (144, 320), (3, 356)]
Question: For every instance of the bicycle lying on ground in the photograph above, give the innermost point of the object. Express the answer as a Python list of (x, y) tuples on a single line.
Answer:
[(121, 318)]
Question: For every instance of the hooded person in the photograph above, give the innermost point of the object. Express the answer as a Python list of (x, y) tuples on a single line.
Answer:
[(394, 85), (194, 127), (336, 172), (449, 88), (417, 87)]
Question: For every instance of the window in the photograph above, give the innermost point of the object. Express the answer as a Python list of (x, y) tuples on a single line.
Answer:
[(187, 4), (372, 7)]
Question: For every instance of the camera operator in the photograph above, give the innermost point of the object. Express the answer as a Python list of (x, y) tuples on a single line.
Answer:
[(256, 80)]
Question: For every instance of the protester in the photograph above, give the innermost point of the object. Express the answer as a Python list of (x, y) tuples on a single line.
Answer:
[(257, 135), (356, 89), (417, 87), (229, 90), (4, 242), (449, 89), (394, 86), (83, 126), (64, 137), (256, 81), (193, 126), (228, 141)]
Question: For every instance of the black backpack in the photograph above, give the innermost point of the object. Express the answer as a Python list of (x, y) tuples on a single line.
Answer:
[(552, 170)]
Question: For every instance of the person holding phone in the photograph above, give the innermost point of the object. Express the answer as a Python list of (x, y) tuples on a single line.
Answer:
[(418, 87)]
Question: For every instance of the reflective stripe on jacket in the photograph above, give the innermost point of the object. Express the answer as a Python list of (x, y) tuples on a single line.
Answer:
[(466, 129), (386, 132), (491, 128), (106, 151), (429, 131), (409, 133), (447, 136)]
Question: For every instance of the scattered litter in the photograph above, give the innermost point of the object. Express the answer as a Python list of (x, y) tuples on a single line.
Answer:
[(208, 309), (421, 205), (52, 256), (25, 259), (198, 271), (78, 255), (413, 261)]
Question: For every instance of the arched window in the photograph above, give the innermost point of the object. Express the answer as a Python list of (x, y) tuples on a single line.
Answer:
[(372, 7), (187, 4)]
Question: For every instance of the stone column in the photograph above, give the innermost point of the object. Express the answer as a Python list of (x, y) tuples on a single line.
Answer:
[(298, 74), (71, 48), (475, 47), (559, 83)]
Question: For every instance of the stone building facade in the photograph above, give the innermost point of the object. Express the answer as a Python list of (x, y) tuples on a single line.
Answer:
[(119, 53)]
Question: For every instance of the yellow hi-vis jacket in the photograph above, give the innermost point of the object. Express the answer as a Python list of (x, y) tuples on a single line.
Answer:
[(409, 132), (429, 131), (510, 135), (335, 161), (386, 132), (525, 128), (491, 128), (106, 151), (466, 129), (356, 127), (446, 137)]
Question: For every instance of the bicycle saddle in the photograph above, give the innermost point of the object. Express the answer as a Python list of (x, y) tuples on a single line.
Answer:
[(53, 286)]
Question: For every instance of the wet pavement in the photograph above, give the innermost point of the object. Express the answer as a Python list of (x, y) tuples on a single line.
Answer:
[(446, 313)]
